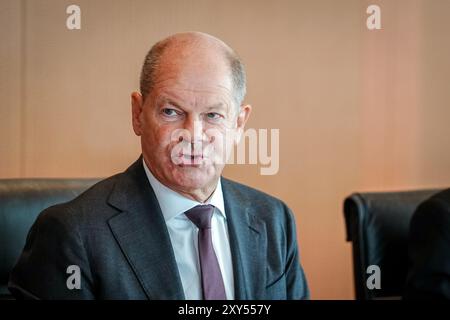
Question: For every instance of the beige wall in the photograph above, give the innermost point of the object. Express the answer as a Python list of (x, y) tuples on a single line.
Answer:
[(357, 109)]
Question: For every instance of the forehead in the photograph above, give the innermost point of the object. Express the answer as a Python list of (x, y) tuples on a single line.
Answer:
[(194, 86), (194, 71), (189, 97)]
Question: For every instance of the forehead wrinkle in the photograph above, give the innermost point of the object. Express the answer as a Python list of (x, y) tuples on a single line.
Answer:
[(179, 103), (192, 97), (176, 80)]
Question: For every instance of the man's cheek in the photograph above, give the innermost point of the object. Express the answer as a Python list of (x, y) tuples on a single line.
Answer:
[(163, 137), (177, 150), (217, 150), (224, 144)]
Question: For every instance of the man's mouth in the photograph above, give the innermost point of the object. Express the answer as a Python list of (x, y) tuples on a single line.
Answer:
[(191, 159)]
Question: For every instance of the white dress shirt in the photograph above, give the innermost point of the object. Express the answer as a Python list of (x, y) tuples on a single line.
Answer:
[(184, 236)]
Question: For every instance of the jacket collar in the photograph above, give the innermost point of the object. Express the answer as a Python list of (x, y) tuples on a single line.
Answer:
[(248, 243), (142, 235)]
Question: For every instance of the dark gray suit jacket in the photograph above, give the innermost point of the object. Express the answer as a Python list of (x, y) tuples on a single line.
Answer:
[(116, 234)]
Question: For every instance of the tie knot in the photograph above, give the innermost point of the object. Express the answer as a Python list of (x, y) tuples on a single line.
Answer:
[(201, 215)]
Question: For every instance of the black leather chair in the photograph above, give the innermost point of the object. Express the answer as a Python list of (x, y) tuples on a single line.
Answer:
[(377, 224), (21, 200)]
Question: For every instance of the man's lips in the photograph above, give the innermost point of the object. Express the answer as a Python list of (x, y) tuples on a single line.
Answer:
[(192, 156), (191, 159)]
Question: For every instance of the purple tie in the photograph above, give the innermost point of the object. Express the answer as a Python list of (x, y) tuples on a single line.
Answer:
[(212, 282)]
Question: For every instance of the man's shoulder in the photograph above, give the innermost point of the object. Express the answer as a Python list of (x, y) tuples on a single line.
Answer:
[(264, 204), (248, 192), (91, 204)]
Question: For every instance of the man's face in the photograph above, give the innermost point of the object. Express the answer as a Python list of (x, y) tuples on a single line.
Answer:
[(189, 124)]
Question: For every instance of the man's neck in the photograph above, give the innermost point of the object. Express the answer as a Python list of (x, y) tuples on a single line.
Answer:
[(199, 195)]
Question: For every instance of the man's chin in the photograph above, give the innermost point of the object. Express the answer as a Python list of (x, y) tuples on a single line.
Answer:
[(194, 177)]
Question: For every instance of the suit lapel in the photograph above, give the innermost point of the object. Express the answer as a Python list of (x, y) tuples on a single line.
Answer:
[(142, 235), (248, 244)]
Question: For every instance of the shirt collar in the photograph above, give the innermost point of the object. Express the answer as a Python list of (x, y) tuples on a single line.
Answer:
[(173, 204)]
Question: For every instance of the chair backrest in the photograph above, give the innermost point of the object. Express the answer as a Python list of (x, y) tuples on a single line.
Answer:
[(21, 201), (377, 224)]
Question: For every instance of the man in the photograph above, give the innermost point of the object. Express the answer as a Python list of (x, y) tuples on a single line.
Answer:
[(429, 250), (170, 227)]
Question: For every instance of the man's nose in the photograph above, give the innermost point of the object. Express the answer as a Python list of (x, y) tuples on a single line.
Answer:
[(195, 129)]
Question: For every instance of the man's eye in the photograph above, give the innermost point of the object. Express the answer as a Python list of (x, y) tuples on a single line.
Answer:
[(213, 115), (169, 112)]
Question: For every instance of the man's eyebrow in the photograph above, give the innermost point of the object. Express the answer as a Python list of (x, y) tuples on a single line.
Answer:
[(170, 101), (173, 102)]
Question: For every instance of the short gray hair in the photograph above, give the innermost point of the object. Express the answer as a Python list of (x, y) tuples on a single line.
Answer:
[(153, 58)]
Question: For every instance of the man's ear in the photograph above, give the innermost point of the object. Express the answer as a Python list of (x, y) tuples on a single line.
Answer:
[(137, 103), (244, 114)]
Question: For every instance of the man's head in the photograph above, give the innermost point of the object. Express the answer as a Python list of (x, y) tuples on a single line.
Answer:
[(189, 113)]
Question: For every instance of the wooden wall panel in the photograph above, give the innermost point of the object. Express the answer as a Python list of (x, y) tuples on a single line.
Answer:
[(356, 109), (11, 103)]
